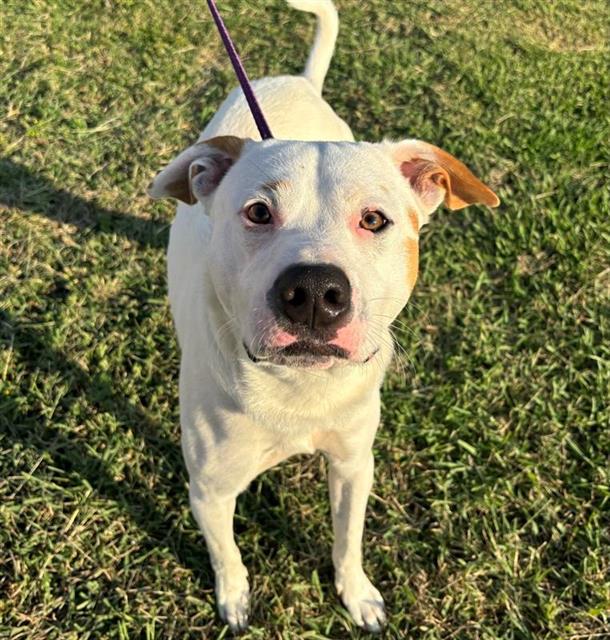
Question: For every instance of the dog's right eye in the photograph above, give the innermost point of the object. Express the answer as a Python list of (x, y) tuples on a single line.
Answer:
[(258, 213)]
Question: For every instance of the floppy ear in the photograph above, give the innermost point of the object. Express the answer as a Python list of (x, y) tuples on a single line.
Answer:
[(198, 170), (436, 176)]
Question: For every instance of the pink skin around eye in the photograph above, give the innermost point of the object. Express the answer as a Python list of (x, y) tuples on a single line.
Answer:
[(354, 223)]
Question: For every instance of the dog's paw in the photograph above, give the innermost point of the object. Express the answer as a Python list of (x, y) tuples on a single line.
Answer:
[(233, 598), (361, 599)]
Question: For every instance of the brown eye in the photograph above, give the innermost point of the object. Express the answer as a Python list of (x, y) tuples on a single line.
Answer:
[(373, 221), (258, 213)]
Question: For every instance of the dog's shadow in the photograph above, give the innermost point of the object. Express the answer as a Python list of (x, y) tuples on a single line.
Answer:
[(31, 341)]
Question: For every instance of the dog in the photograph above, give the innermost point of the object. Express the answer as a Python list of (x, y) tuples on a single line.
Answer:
[(288, 261)]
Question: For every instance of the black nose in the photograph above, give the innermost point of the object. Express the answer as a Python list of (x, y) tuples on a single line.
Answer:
[(317, 296)]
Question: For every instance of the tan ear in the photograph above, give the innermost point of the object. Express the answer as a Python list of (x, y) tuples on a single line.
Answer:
[(436, 176), (198, 170)]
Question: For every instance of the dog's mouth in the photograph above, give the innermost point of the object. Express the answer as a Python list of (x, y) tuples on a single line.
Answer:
[(305, 353)]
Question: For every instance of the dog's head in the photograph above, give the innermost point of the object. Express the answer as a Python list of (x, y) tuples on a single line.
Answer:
[(314, 245)]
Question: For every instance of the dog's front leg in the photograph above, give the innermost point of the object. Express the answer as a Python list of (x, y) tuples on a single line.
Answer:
[(214, 514), (349, 485)]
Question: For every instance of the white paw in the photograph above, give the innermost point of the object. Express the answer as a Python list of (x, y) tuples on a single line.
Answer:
[(233, 597), (361, 599)]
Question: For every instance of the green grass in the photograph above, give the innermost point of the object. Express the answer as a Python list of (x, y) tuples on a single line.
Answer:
[(491, 514)]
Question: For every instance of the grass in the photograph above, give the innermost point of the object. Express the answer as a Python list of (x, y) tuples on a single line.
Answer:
[(491, 514)]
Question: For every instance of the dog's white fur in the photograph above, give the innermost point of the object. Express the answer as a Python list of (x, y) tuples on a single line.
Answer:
[(238, 416)]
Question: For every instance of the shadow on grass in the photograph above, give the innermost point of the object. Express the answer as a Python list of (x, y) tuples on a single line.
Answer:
[(71, 452), (22, 188)]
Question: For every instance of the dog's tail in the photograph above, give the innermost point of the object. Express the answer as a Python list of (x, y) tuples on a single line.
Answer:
[(324, 43)]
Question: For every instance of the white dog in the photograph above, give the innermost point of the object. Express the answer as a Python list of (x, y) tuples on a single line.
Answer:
[(288, 261)]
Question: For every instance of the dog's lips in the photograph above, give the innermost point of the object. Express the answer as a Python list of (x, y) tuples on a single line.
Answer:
[(305, 353), (313, 349), (300, 353)]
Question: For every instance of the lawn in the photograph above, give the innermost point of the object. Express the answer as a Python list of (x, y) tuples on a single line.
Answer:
[(490, 516)]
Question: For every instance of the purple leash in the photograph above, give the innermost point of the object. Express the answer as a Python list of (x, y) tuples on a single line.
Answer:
[(240, 72)]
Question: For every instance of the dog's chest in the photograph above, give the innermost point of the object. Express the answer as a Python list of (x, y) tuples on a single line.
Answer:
[(284, 448)]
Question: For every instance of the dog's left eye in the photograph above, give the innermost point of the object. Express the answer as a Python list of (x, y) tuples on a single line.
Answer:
[(258, 213), (373, 221)]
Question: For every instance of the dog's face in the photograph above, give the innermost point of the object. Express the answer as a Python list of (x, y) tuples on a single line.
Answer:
[(314, 246)]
